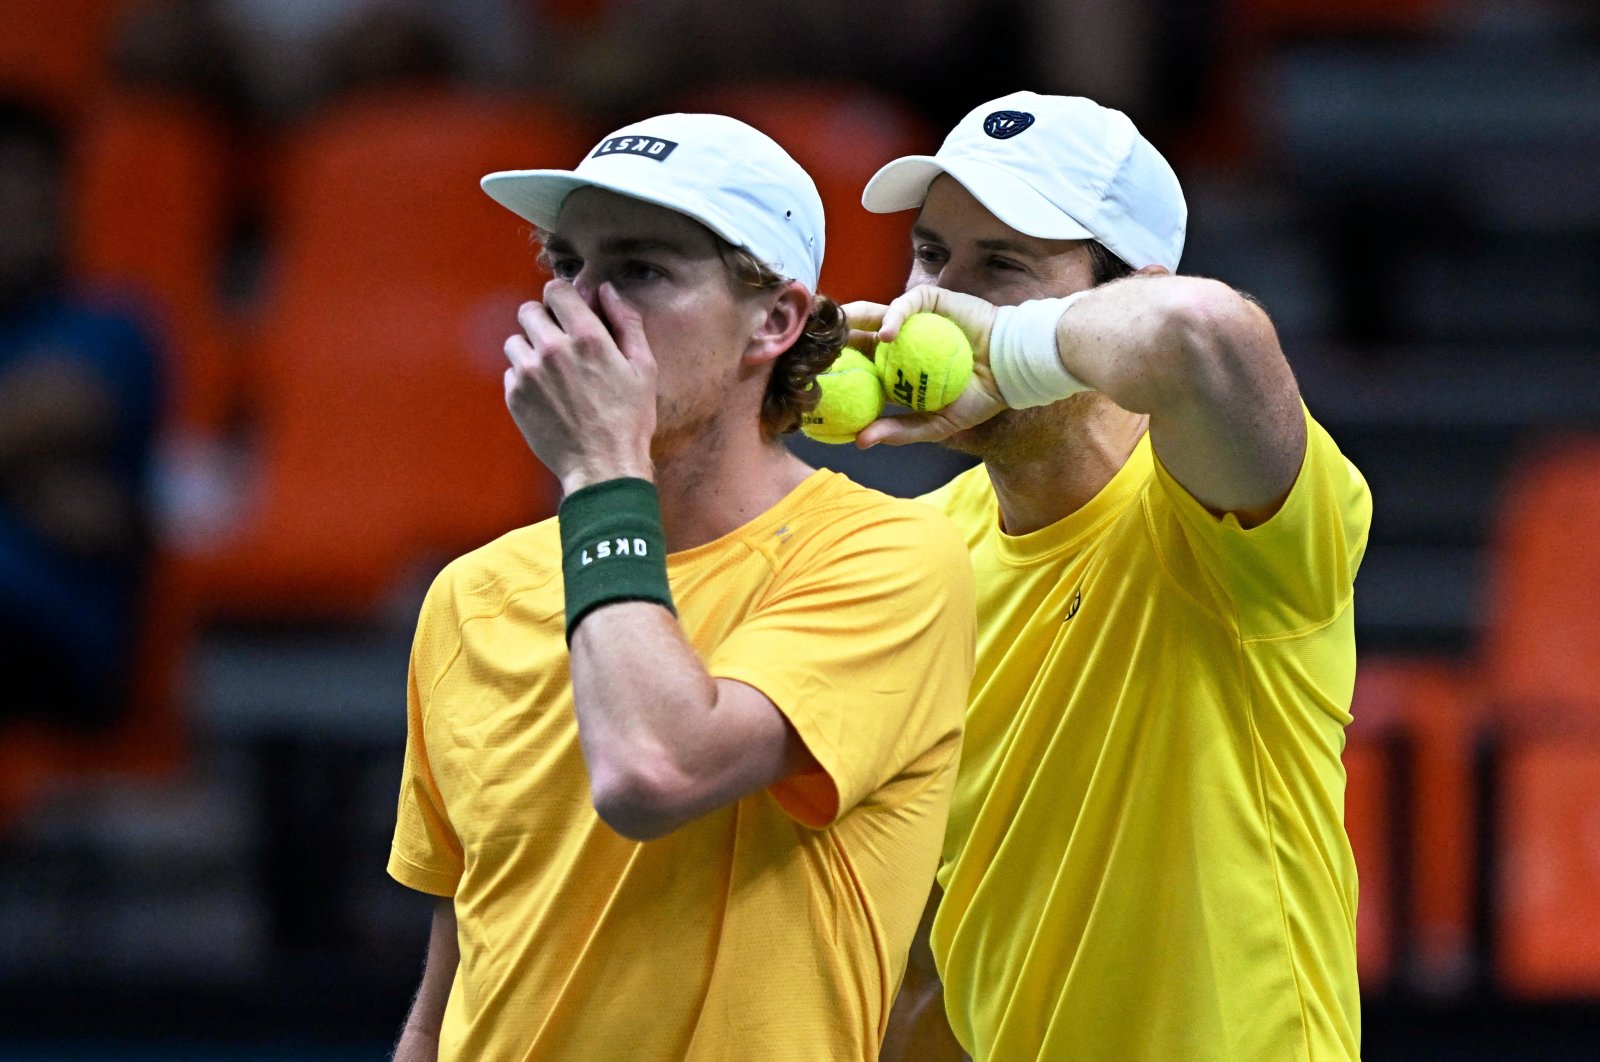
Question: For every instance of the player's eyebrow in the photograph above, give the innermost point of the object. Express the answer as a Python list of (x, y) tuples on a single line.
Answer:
[(922, 232), (1011, 246), (621, 246)]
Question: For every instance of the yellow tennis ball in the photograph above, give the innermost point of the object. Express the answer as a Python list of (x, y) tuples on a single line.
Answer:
[(852, 398), (928, 364)]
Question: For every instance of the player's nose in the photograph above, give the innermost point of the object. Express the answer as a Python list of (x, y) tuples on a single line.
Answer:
[(587, 284)]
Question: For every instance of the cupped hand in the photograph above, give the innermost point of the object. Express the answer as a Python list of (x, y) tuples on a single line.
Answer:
[(872, 323), (583, 394)]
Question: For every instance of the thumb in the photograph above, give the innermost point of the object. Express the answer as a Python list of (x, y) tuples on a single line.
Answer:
[(905, 428)]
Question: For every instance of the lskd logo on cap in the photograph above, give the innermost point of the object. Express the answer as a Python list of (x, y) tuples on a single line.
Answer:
[(1003, 125), (651, 147)]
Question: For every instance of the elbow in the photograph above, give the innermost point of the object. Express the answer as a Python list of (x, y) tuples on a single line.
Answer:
[(1212, 335), (640, 800)]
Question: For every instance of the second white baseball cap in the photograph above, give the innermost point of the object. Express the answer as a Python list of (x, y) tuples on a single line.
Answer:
[(1055, 167), (730, 177)]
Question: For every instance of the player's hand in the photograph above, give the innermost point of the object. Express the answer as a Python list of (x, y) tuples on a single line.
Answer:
[(872, 323), (582, 394), (864, 319)]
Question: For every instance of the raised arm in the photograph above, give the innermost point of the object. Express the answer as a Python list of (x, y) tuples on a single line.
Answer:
[(1200, 359), (664, 742), (1204, 362)]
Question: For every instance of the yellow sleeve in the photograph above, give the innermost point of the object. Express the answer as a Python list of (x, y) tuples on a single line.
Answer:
[(425, 854), (1290, 574), (866, 646)]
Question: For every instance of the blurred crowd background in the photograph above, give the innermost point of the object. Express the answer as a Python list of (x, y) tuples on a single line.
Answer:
[(251, 307)]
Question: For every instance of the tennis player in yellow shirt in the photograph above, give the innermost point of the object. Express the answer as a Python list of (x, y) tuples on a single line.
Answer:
[(679, 760), (1146, 859)]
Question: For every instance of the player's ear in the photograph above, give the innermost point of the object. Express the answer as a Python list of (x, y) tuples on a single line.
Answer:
[(786, 313)]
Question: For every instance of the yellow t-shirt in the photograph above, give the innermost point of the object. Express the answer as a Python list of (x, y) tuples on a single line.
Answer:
[(1146, 857), (762, 930)]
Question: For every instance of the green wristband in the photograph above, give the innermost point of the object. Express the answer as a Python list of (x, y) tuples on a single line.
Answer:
[(613, 548)]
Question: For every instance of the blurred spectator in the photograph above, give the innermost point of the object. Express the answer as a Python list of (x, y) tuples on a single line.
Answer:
[(270, 61), (78, 409), (625, 54), (179, 47), (1150, 57)]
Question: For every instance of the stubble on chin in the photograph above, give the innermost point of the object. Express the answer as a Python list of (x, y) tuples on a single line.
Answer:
[(1013, 435), (684, 435)]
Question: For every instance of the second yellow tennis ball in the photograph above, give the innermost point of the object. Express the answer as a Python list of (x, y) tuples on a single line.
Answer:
[(928, 364), (852, 398)]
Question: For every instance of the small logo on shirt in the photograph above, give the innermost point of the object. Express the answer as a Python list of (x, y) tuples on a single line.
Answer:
[(1003, 125), (1072, 608), (613, 547), (651, 147)]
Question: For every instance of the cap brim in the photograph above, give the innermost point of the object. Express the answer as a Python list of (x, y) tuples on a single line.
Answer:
[(533, 195), (903, 185), (538, 195)]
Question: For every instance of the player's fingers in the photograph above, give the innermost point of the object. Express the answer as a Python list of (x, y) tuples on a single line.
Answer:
[(863, 316), (865, 342), (974, 316), (924, 298), (904, 428), (540, 328), (520, 353), (627, 326), (571, 312)]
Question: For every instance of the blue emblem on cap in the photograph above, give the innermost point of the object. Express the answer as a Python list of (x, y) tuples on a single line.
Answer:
[(1003, 125)]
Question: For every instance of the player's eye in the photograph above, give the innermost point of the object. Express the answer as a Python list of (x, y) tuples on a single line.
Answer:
[(929, 254), (563, 267), (635, 271), (1006, 265)]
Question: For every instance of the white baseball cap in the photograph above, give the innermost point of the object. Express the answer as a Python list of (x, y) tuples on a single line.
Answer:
[(730, 177), (1055, 167)]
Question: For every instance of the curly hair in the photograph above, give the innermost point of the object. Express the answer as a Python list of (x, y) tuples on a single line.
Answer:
[(792, 389)]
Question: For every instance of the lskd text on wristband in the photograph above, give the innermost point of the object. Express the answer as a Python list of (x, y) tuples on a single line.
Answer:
[(613, 548)]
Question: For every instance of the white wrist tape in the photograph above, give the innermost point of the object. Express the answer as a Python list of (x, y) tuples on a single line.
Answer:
[(1023, 357)]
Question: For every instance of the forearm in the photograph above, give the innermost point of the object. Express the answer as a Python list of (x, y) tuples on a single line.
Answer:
[(660, 752), (1158, 344), (639, 690), (638, 685)]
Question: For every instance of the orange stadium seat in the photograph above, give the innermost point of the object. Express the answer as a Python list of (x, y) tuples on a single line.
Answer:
[(143, 158), (58, 50), (384, 190), (841, 135), (383, 438), (1547, 891), (1371, 773), (1542, 651), (1543, 640), (384, 444), (1428, 710)]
